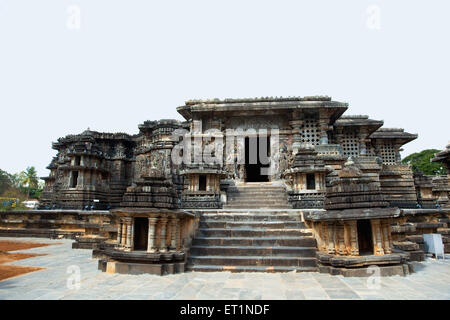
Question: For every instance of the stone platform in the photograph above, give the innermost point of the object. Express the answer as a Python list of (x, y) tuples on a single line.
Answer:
[(431, 281)]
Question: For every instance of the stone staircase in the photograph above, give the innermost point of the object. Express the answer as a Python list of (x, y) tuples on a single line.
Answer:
[(252, 241), (257, 195)]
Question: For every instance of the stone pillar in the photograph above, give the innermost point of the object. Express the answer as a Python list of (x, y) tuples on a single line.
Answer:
[(123, 237), (331, 245), (377, 237), (340, 237), (386, 236), (129, 241), (173, 234), (317, 180), (119, 234), (151, 234), (169, 233), (324, 232), (178, 239), (397, 149), (296, 135), (353, 233), (362, 144), (162, 240), (323, 129), (132, 234)]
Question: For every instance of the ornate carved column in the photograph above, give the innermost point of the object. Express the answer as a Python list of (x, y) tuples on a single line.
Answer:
[(173, 234), (340, 238), (119, 233), (178, 240), (123, 237), (398, 157), (331, 245), (162, 240), (324, 227), (386, 236), (169, 232), (296, 135), (362, 144), (151, 234), (130, 233), (353, 233), (324, 127), (377, 237)]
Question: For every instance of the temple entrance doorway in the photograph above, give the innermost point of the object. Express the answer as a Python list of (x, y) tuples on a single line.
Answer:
[(257, 158), (140, 233), (365, 241)]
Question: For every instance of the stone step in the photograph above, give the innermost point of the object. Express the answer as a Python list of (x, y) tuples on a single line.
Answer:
[(252, 261), (258, 196), (244, 216), (257, 193), (251, 224), (251, 232), (242, 251), (256, 206), (304, 241), (259, 204), (253, 198), (247, 186), (214, 268)]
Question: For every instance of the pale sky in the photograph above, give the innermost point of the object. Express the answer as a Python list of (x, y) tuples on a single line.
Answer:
[(130, 61)]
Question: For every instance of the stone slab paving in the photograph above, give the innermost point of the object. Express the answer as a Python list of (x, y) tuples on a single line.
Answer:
[(431, 281)]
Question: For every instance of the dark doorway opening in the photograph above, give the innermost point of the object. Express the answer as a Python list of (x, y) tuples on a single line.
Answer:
[(74, 182), (365, 241), (202, 183), (310, 181), (257, 158), (140, 233)]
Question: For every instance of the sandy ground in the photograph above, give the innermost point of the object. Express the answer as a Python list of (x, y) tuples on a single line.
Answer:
[(9, 271)]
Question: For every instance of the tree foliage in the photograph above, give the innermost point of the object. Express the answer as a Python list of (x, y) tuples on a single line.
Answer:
[(421, 162), (25, 184)]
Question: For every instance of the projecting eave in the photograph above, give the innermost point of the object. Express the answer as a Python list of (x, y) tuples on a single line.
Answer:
[(394, 134), (443, 155), (359, 121), (334, 108)]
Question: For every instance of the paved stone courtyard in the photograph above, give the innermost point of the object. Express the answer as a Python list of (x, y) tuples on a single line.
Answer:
[(432, 281)]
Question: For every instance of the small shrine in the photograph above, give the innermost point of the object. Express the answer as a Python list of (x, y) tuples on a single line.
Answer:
[(354, 231)]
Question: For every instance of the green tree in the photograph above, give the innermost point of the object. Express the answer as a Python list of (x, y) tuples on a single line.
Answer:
[(29, 179), (421, 162), (5, 181)]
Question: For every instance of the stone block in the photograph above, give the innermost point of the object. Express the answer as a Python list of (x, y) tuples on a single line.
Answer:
[(445, 231), (110, 267), (417, 255), (179, 267), (102, 265), (406, 246), (168, 268)]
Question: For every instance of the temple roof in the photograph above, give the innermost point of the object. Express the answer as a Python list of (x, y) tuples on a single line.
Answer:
[(150, 125), (359, 121), (91, 136), (394, 133), (261, 104), (443, 155)]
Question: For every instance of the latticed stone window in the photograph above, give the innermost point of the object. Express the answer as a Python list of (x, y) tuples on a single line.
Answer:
[(310, 131), (350, 145), (388, 153)]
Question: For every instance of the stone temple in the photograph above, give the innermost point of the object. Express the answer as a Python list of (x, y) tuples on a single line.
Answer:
[(264, 184)]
